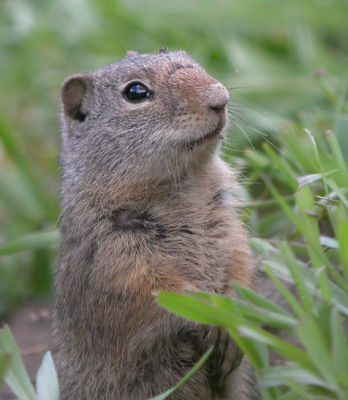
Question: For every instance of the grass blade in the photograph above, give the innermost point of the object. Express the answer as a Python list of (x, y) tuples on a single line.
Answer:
[(11, 147), (342, 232), (188, 376), (4, 363), (339, 342), (311, 337), (337, 154), (196, 310), (276, 376), (298, 277), (47, 380), (30, 242), (16, 376)]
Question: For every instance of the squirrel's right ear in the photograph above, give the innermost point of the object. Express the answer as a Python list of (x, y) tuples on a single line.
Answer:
[(76, 93)]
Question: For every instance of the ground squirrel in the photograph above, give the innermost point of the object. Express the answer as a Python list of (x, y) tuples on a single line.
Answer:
[(147, 205)]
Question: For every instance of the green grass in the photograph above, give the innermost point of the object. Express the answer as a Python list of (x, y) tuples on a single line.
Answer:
[(314, 258), (288, 138)]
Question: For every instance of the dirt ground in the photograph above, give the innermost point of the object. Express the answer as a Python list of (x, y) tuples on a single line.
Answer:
[(31, 327)]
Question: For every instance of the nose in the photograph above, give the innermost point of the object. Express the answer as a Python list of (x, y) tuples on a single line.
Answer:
[(218, 97)]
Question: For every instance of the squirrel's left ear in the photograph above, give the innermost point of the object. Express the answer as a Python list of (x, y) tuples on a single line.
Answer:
[(77, 93), (131, 53)]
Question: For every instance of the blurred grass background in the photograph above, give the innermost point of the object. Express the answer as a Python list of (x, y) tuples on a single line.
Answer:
[(289, 57)]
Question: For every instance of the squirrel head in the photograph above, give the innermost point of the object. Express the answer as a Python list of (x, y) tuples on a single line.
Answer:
[(147, 118)]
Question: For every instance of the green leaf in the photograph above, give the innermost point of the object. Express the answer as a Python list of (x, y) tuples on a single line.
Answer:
[(263, 248), (340, 192), (281, 375), (337, 214), (256, 352), (256, 158), (298, 276), (30, 242), (307, 214), (7, 138), (342, 127), (308, 179), (196, 310), (339, 342), (16, 376), (285, 293), (339, 298), (286, 208), (47, 380), (285, 170), (4, 362), (316, 152), (188, 376), (221, 311), (283, 348), (342, 232), (258, 315), (310, 229), (18, 201), (310, 335), (258, 300), (329, 242), (297, 391), (221, 302)]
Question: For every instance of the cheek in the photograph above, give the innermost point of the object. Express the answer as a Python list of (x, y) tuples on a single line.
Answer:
[(149, 115), (191, 121)]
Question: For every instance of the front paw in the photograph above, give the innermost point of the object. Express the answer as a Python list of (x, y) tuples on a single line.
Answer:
[(225, 358)]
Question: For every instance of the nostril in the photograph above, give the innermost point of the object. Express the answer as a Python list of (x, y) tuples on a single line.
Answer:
[(217, 98), (218, 108)]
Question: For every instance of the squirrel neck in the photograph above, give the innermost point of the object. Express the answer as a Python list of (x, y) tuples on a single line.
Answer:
[(85, 199), (195, 191)]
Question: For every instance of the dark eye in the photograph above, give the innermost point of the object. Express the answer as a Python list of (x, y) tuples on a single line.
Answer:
[(136, 91)]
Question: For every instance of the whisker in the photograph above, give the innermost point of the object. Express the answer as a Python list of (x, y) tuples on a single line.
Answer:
[(245, 106), (238, 112), (263, 134), (244, 121), (241, 87), (244, 133), (231, 149)]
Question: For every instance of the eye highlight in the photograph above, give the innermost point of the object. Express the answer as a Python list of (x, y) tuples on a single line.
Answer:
[(136, 92)]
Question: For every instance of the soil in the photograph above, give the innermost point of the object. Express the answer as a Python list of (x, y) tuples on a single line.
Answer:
[(31, 326)]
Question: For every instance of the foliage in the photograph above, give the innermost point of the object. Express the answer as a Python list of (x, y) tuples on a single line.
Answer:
[(17, 378), (316, 366), (311, 326), (289, 57), (12, 370), (285, 64)]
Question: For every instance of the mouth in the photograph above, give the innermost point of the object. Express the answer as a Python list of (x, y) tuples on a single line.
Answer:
[(203, 139)]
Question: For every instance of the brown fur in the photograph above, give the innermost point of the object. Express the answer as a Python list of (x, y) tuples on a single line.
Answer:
[(145, 208)]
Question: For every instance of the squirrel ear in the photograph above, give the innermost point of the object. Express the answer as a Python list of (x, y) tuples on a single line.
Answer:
[(131, 53), (75, 91)]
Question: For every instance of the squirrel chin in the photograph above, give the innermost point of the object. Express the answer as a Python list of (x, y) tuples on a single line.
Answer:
[(208, 137)]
